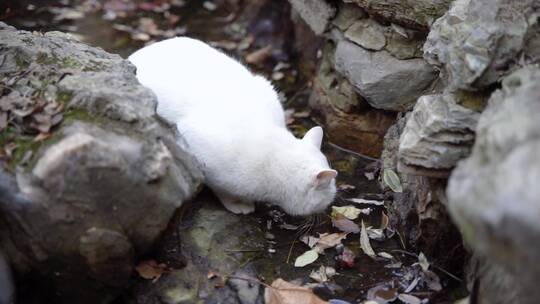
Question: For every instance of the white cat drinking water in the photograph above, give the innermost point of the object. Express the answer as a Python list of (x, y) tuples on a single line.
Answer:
[(234, 125)]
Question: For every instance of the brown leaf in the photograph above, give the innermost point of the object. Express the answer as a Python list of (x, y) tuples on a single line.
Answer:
[(409, 299), (382, 294), (364, 242), (225, 44), (173, 19), (42, 136), (9, 148), (384, 221), (327, 240), (259, 56), (345, 187), (432, 280), (43, 122), (283, 292), (344, 224), (151, 270)]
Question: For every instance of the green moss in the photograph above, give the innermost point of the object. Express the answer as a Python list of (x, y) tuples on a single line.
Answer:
[(70, 63), (475, 101), (52, 59), (21, 62), (73, 115), (64, 97), (28, 40), (346, 166), (23, 145), (94, 66), (44, 58)]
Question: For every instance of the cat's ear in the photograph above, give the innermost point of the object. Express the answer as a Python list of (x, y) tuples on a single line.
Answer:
[(324, 177), (314, 137)]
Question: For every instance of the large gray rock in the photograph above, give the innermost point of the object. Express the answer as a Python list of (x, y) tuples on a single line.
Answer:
[(349, 120), (418, 212), (78, 208), (494, 194), (316, 13), (217, 241), (438, 134), (416, 14), (478, 41), (383, 80)]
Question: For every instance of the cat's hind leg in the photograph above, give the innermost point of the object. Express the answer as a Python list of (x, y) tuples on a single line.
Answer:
[(235, 205)]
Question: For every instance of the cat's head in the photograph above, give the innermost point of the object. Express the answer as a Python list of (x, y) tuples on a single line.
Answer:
[(312, 185)]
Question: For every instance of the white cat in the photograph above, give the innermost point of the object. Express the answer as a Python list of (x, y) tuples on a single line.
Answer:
[(234, 125)]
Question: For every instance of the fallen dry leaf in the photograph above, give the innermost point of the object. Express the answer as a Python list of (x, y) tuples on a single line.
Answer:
[(375, 234), (323, 274), (349, 212), (364, 242), (432, 280), (259, 56), (344, 224), (309, 240), (306, 258), (412, 285), (385, 255), (283, 292), (423, 262), (329, 240), (277, 76), (370, 175), (151, 270), (384, 221), (409, 299), (345, 187), (365, 201), (391, 179), (382, 294), (209, 5), (466, 300)]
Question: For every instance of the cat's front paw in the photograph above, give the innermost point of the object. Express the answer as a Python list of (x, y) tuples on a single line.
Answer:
[(238, 207)]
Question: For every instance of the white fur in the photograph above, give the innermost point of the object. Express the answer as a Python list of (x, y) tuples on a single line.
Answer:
[(234, 125)]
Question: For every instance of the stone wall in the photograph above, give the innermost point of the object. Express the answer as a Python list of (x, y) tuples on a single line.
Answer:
[(424, 71)]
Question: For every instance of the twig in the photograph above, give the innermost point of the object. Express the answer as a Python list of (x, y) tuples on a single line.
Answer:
[(432, 264), (352, 152), (244, 250), (290, 251)]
